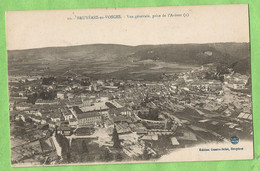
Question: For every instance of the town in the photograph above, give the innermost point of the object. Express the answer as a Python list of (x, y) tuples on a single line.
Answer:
[(70, 118)]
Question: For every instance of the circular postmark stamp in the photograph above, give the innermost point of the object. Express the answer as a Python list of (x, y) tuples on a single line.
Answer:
[(234, 140)]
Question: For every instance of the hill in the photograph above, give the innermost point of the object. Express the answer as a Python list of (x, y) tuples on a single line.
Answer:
[(111, 58)]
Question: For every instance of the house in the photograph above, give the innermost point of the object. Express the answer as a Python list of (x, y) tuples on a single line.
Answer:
[(69, 95), (150, 138), (236, 84), (108, 123), (46, 102), (141, 131), (52, 124), (21, 94), (73, 122), (75, 102), (34, 112), (101, 82), (67, 114), (84, 131), (56, 117), (23, 117), (43, 126), (23, 106), (235, 80), (123, 128), (64, 130), (43, 121), (243, 115), (174, 141), (186, 137), (36, 118), (60, 95), (87, 102), (215, 86), (37, 113), (105, 114), (159, 132), (120, 118), (126, 112)]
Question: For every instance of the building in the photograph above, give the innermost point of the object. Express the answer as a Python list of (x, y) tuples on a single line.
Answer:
[(36, 118), (46, 102), (95, 107), (67, 114), (73, 122), (60, 95), (75, 102), (105, 114), (23, 106), (243, 115), (174, 141), (64, 130), (88, 118), (123, 128), (236, 81), (55, 117), (52, 124)]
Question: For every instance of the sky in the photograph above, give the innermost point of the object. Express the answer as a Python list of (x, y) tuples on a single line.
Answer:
[(205, 24)]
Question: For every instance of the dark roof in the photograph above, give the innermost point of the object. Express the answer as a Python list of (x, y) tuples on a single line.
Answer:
[(88, 115), (66, 111), (64, 128), (121, 119), (72, 120), (77, 110)]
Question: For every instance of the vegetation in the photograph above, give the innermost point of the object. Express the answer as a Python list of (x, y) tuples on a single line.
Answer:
[(48, 95), (32, 98), (84, 147), (115, 139), (106, 155), (48, 81), (64, 143), (45, 95), (146, 154), (85, 82)]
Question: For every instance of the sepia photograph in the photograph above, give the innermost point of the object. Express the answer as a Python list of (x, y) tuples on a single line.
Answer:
[(129, 85)]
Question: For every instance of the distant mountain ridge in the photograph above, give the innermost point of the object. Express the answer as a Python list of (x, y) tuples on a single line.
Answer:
[(192, 54)]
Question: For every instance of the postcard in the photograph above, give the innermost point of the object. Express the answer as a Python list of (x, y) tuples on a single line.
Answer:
[(129, 85)]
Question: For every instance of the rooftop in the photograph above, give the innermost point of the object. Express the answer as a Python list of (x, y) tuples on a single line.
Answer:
[(88, 115)]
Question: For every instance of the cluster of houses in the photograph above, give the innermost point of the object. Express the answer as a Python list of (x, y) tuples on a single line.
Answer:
[(236, 80), (102, 104)]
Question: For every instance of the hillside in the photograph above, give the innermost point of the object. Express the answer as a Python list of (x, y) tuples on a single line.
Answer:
[(104, 58), (195, 53)]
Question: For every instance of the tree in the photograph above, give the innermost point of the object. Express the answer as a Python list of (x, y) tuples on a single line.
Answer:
[(32, 98), (29, 120), (48, 81), (84, 147), (146, 154), (169, 124), (107, 155), (119, 157), (115, 138), (20, 123), (48, 95), (222, 68), (153, 114), (249, 83), (64, 143)]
